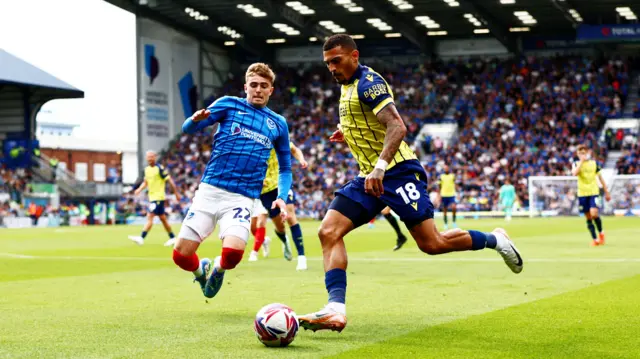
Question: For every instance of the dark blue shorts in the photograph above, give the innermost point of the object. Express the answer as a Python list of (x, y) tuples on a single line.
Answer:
[(405, 192), (268, 198), (157, 208), (448, 201), (586, 203)]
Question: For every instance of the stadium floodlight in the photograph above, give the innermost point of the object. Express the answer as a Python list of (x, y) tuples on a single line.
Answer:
[(623, 9), (280, 26), (405, 7), (436, 33), (356, 9), (393, 34), (480, 31), (373, 21), (300, 7), (507, 2), (276, 41), (519, 29), (325, 23), (433, 26), (229, 43), (357, 37), (313, 39), (422, 18), (343, 2)]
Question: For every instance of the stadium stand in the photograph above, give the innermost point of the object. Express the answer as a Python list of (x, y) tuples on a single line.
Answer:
[(516, 117)]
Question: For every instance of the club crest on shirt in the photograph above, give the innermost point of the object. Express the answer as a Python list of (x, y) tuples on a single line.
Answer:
[(271, 124)]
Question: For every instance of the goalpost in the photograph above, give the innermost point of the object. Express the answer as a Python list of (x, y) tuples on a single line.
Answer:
[(558, 196)]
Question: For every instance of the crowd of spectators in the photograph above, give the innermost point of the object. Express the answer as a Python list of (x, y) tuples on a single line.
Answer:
[(516, 118)]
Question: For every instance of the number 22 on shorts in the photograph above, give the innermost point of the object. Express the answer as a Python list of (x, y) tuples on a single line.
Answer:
[(240, 214), (408, 192)]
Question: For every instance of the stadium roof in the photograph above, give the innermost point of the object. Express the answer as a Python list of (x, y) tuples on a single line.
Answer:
[(16, 72), (23, 89), (256, 22)]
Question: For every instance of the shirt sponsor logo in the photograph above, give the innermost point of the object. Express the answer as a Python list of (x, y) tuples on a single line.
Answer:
[(236, 129)]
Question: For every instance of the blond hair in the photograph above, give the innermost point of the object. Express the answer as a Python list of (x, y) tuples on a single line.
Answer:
[(262, 70)]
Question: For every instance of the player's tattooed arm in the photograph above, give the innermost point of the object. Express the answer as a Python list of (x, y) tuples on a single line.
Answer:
[(396, 130)]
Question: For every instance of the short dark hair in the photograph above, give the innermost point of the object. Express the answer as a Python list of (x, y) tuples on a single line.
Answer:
[(336, 40)]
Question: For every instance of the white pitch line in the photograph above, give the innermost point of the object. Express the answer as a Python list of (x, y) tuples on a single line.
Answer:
[(352, 259)]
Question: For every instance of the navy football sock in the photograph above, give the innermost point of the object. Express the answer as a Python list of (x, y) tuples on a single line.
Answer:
[(282, 236), (296, 233), (598, 223), (481, 240), (336, 282), (592, 229)]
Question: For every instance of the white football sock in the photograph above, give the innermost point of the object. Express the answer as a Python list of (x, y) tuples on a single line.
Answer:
[(338, 307), (198, 272)]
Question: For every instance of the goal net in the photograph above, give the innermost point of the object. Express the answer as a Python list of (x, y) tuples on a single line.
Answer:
[(558, 196)]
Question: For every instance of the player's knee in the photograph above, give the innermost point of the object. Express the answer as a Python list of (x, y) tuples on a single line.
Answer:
[(184, 248), (328, 235)]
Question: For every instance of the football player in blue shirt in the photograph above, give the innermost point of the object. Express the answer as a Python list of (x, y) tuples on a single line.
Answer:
[(232, 180)]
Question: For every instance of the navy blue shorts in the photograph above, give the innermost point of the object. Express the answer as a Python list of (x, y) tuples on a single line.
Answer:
[(268, 198), (405, 192), (448, 201), (157, 208), (586, 203)]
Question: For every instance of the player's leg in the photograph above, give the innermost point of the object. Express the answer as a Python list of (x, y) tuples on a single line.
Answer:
[(258, 222), (585, 208), (167, 227), (267, 200), (235, 225), (445, 205), (196, 226), (296, 235), (139, 240), (453, 212), (351, 208), (595, 214), (407, 196), (401, 239)]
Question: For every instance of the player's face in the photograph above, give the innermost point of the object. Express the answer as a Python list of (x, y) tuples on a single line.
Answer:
[(341, 62), (446, 169), (583, 154), (258, 90), (151, 159)]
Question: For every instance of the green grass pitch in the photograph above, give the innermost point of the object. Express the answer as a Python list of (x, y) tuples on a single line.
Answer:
[(91, 293)]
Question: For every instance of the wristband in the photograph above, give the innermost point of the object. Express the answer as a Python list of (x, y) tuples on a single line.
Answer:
[(382, 164)]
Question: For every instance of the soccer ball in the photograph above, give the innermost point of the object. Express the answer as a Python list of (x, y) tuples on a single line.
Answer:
[(276, 325)]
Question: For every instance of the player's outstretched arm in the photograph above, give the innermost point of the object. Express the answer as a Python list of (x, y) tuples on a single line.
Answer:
[(607, 195), (174, 188), (141, 188), (298, 155), (285, 178), (207, 117)]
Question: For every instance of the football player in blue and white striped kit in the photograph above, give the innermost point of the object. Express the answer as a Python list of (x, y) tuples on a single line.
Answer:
[(232, 180)]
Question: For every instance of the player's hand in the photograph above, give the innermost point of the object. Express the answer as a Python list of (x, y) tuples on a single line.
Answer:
[(178, 197), (283, 208), (582, 157), (304, 164), (200, 115), (137, 192), (607, 196), (373, 183), (337, 136)]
